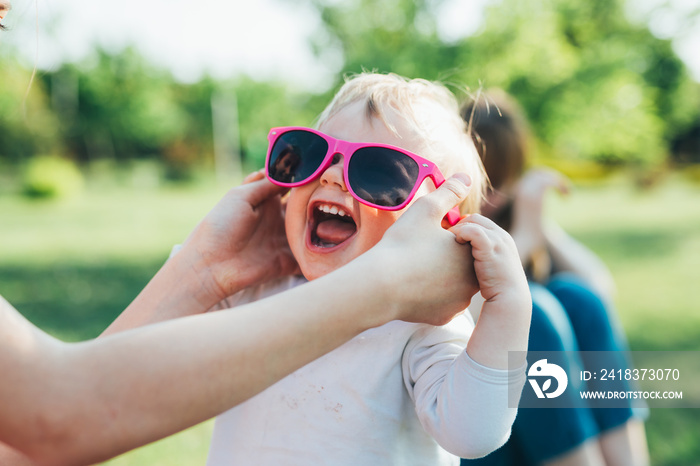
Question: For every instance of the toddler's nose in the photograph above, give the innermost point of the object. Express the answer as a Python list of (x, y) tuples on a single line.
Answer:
[(334, 173)]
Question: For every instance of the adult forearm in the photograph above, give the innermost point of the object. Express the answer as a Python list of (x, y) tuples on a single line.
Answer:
[(182, 287), (570, 255), (141, 385), (527, 245)]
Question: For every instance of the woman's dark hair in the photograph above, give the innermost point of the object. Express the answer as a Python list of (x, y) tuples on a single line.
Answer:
[(501, 135)]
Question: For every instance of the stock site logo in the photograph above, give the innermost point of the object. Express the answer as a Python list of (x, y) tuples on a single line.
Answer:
[(542, 369)]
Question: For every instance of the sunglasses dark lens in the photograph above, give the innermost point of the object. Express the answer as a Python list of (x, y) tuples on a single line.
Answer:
[(296, 155), (382, 176)]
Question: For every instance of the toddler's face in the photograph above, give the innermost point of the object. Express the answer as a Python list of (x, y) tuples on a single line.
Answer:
[(326, 227)]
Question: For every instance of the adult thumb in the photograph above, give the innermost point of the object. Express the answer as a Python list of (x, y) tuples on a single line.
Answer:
[(259, 191), (450, 193)]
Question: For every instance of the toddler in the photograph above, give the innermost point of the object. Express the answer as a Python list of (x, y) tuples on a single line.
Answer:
[(402, 393)]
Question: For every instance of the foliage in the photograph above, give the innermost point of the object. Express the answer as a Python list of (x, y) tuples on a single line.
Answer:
[(595, 86), (27, 124), (398, 36), (117, 107), (51, 177), (264, 105)]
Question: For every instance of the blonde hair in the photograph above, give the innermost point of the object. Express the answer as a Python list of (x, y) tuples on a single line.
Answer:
[(441, 129)]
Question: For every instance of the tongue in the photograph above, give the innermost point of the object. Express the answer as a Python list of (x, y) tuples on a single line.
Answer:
[(334, 231)]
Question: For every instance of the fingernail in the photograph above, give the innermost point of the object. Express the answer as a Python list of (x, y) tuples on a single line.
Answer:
[(464, 178)]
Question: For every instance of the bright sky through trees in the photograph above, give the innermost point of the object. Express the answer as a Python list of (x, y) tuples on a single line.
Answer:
[(267, 39)]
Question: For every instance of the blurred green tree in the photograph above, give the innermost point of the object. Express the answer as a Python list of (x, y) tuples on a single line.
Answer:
[(264, 105), (397, 35), (27, 124), (595, 85), (115, 106)]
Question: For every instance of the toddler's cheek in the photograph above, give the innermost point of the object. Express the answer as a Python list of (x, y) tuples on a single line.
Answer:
[(374, 223), (294, 216), (296, 204)]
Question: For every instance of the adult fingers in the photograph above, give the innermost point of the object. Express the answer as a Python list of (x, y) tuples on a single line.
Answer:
[(539, 180), (436, 204), (259, 191), (554, 179), (563, 184), (255, 176)]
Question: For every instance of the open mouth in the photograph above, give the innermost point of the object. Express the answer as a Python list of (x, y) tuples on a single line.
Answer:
[(331, 225)]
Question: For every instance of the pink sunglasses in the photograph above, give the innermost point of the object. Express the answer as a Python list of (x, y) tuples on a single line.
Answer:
[(378, 175)]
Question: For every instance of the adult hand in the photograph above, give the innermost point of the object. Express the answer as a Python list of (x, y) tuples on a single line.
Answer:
[(242, 241), (428, 276)]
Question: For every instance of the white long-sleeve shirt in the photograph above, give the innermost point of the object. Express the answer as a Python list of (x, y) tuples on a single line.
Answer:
[(400, 394)]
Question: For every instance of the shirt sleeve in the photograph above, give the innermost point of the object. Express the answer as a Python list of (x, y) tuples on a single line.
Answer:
[(464, 405)]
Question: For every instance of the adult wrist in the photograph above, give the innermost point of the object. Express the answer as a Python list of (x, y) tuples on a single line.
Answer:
[(194, 279), (378, 287), (180, 288)]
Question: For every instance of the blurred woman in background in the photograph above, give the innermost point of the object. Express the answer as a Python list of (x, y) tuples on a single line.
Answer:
[(572, 293)]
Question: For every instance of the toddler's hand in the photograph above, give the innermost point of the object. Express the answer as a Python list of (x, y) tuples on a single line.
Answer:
[(496, 261), (242, 241), (504, 321)]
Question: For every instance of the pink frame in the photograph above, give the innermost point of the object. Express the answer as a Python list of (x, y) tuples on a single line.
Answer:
[(426, 168)]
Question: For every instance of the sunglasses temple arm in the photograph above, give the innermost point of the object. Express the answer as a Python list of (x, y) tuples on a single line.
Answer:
[(453, 216)]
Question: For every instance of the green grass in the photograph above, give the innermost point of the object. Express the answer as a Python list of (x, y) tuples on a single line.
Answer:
[(651, 242), (188, 448), (72, 266)]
